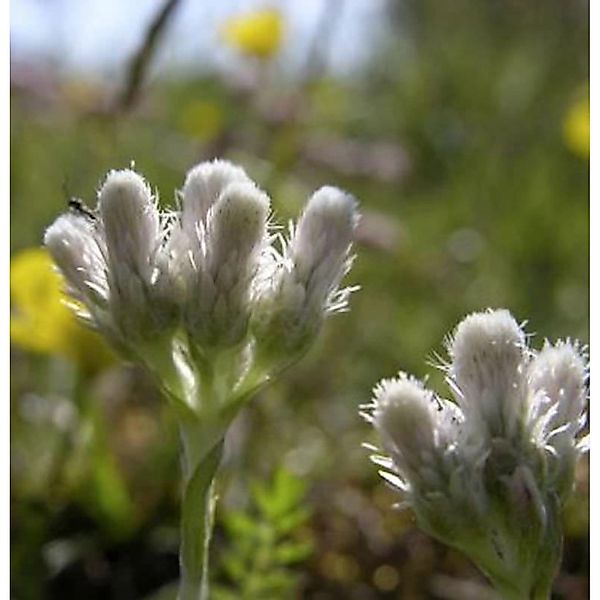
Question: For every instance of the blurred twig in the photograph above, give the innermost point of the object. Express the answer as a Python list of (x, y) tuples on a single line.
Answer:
[(141, 59), (316, 61)]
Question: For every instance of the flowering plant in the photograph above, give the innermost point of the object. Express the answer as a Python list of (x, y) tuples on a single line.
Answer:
[(208, 299), (489, 473)]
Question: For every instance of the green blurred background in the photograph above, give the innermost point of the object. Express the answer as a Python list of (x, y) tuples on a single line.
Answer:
[(464, 133)]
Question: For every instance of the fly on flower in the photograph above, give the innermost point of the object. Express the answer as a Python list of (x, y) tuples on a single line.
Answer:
[(77, 206)]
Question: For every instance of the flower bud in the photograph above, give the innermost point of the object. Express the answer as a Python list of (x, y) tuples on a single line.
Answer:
[(188, 244), (302, 285), (203, 186), (557, 378), (79, 252), (560, 372), (488, 355), (403, 416), (134, 239), (417, 429), (321, 244), (217, 307)]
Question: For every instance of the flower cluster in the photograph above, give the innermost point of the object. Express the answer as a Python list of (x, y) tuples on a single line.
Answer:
[(206, 291), (207, 298), (489, 472)]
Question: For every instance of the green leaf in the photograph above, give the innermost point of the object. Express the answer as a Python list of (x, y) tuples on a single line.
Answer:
[(219, 592), (260, 550), (289, 489), (287, 523), (282, 496), (239, 524), (112, 496), (276, 582), (234, 566), (288, 553)]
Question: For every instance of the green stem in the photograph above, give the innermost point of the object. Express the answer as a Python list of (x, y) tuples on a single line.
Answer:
[(526, 583), (508, 592), (197, 515), (203, 428), (521, 583)]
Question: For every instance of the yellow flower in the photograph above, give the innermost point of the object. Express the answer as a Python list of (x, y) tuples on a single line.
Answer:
[(258, 33), (40, 321), (576, 127)]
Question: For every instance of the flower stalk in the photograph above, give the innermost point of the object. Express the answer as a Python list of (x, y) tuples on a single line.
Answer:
[(208, 300), (197, 515)]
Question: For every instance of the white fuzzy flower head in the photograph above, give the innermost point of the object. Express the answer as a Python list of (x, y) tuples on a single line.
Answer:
[(489, 474), (560, 373), (178, 290), (558, 393), (488, 353), (202, 188), (320, 246), (134, 243), (131, 222), (217, 306), (417, 429), (301, 285), (78, 250)]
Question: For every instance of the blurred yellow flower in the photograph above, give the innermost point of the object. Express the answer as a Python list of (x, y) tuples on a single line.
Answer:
[(257, 33), (40, 321), (576, 127), (38, 318)]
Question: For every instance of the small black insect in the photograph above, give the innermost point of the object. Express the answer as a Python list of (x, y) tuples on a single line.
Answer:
[(77, 206)]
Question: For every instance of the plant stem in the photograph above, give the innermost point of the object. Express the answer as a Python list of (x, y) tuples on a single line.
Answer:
[(202, 435), (202, 456), (508, 590)]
